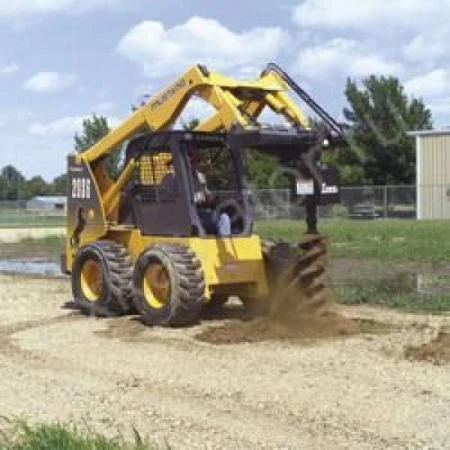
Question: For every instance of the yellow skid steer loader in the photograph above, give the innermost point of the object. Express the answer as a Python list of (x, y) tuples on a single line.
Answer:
[(172, 233)]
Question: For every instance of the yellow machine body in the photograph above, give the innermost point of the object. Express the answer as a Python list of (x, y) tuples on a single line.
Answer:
[(230, 265)]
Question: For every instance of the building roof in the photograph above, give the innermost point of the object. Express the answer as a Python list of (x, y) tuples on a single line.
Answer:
[(445, 132), (51, 199)]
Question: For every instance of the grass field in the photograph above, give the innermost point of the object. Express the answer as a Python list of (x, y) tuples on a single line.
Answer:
[(399, 263), (21, 436), (49, 247), (390, 259), (11, 218), (385, 240)]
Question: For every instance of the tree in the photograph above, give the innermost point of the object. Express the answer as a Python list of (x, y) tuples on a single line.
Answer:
[(191, 125), (380, 114), (260, 167), (37, 186), (59, 185), (263, 170), (11, 183), (95, 128)]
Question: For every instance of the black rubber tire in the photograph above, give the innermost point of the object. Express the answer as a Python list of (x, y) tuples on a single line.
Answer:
[(117, 293), (186, 280)]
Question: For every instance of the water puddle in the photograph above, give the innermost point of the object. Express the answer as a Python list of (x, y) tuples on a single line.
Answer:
[(30, 267)]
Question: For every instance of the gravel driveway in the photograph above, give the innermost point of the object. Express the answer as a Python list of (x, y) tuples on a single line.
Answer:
[(115, 374)]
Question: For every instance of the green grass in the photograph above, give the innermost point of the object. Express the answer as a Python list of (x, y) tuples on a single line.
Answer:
[(396, 292), (53, 243), (395, 240), (391, 251), (48, 247), (11, 218), (21, 436)]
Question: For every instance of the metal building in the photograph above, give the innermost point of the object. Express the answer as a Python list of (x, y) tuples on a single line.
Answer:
[(47, 203), (433, 173)]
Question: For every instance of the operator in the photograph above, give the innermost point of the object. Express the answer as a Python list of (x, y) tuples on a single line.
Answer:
[(214, 220)]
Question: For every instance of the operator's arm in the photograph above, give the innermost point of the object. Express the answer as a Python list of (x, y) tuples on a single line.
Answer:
[(201, 192)]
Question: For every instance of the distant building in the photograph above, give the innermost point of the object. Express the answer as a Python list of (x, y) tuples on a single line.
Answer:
[(433, 173), (47, 203)]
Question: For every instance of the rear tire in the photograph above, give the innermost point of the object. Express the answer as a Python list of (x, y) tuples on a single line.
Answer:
[(102, 279), (169, 285)]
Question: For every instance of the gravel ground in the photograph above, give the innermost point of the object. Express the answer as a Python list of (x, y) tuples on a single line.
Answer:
[(115, 374)]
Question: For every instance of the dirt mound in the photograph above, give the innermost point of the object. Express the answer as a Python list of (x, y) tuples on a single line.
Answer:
[(326, 325), (301, 305), (437, 351)]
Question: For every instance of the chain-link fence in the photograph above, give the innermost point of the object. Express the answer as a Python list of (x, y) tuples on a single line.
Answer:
[(359, 202)]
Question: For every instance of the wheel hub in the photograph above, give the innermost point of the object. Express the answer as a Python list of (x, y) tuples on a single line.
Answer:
[(156, 285), (91, 280)]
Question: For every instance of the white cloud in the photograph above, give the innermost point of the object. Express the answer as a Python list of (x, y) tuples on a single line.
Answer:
[(63, 128), (49, 82), (429, 46), (162, 51), (8, 69), (369, 14), (432, 84), (20, 8), (339, 57), (66, 126)]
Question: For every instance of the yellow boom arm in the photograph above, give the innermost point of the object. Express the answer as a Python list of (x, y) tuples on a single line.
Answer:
[(236, 103)]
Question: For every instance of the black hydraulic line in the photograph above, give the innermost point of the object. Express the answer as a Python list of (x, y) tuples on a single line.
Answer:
[(324, 115)]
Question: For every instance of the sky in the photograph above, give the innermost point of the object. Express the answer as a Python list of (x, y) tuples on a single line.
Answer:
[(63, 60)]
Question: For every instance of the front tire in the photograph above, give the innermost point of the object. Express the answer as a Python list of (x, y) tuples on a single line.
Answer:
[(169, 285), (102, 279)]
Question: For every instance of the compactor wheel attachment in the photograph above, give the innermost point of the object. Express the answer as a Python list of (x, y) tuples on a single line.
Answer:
[(169, 285), (102, 279), (297, 275)]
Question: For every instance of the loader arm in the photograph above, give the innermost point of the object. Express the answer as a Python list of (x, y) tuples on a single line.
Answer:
[(236, 102)]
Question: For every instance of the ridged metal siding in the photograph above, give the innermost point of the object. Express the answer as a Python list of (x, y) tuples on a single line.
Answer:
[(433, 172)]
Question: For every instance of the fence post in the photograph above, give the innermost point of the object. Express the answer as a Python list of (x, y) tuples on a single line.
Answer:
[(385, 201), (289, 204)]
